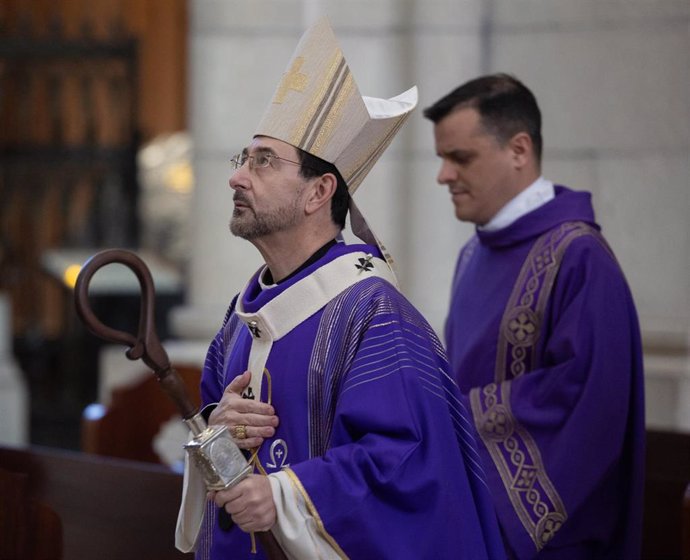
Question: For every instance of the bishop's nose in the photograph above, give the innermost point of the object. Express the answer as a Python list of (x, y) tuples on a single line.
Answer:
[(239, 178)]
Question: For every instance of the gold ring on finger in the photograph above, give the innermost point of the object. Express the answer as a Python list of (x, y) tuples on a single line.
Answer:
[(239, 431)]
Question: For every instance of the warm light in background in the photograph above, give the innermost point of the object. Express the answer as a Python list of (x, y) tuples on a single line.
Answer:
[(179, 177), (70, 275)]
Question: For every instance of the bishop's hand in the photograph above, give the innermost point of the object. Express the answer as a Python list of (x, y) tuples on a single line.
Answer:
[(249, 502), (249, 420)]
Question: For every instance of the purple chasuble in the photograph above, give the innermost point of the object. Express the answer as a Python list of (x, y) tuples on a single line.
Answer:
[(543, 339), (371, 425)]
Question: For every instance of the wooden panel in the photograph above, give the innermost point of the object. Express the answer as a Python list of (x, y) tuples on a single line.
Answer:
[(29, 529), (163, 66), (110, 509), (686, 523), (667, 476), (82, 82)]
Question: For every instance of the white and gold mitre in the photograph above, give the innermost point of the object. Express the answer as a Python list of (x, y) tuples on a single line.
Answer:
[(317, 107)]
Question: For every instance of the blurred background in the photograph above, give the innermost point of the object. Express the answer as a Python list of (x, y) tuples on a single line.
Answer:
[(94, 153), (118, 119)]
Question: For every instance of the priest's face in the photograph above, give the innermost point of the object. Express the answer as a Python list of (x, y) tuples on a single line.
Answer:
[(268, 190), (478, 171)]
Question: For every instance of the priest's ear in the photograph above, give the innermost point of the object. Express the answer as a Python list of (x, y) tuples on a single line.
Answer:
[(522, 149), (321, 192)]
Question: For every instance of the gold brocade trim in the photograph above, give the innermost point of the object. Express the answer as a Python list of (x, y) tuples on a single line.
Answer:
[(513, 450), (297, 483), (521, 322), (519, 464)]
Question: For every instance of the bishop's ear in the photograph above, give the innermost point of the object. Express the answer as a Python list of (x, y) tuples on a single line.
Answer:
[(321, 192)]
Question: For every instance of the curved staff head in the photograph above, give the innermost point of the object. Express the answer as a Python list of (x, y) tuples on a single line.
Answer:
[(145, 344)]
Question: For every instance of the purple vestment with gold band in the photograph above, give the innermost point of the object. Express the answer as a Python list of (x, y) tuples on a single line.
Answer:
[(372, 428), (543, 339)]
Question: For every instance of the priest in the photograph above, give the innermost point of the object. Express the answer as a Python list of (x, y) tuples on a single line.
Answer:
[(542, 335)]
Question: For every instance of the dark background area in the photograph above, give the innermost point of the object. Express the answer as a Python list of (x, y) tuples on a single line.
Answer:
[(82, 86)]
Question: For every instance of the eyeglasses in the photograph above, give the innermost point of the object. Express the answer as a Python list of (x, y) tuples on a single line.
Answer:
[(258, 161)]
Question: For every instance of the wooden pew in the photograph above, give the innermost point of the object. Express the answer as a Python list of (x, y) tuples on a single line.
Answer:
[(115, 509), (686, 523), (110, 509), (29, 529), (127, 427), (666, 525)]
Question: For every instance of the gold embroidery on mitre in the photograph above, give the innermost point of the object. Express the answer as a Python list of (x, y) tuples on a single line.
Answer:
[(326, 100), (323, 85), (293, 79), (334, 116)]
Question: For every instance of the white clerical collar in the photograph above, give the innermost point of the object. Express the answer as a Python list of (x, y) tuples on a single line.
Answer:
[(538, 193)]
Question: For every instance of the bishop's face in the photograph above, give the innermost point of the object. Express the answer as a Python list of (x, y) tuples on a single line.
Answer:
[(268, 190), (478, 171)]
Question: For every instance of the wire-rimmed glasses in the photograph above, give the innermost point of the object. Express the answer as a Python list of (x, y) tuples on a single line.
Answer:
[(260, 160)]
